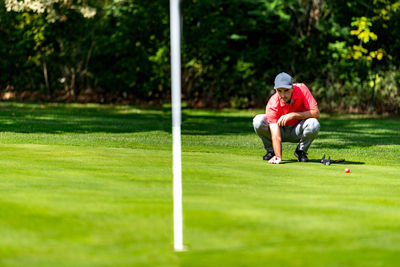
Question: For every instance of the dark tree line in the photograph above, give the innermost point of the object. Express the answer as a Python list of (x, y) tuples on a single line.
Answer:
[(118, 50)]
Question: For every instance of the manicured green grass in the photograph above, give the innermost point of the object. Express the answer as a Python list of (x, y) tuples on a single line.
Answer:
[(91, 185)]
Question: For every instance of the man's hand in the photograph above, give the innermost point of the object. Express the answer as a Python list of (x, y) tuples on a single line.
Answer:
[(275, 160), (283, 120)]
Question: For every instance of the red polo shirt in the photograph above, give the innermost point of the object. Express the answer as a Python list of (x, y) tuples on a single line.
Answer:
[(302, 100)]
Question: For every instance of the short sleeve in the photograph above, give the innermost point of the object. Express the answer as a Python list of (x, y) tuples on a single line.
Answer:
[(272, 111), (308, 99)]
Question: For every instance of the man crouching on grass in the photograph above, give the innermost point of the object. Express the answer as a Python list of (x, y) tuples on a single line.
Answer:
[(290, 116)]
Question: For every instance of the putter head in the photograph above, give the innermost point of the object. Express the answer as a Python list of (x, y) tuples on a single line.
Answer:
[(328, 162)]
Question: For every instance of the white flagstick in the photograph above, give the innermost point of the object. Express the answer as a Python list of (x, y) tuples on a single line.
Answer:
[(176, 122)]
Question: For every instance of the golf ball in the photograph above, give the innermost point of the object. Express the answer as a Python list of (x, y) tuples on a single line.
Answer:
[(347, 170)]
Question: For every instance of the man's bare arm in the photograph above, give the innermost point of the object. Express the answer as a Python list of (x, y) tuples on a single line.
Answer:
[(312, 113), (276, 139)]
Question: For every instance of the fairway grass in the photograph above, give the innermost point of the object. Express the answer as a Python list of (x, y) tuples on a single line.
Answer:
[(91, 185)]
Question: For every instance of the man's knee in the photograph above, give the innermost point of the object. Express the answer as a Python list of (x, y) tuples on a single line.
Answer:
[(313, 124), (258, 121)]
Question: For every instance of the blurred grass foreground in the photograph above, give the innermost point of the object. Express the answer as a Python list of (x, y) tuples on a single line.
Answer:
[(91, 185)]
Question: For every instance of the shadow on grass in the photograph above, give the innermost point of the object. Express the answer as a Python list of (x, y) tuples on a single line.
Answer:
[(34, 118), (358, 132), (346, 162), (336, 132), (216, 125)]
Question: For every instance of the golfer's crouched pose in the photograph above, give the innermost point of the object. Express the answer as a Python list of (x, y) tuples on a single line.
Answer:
[(291, 116)]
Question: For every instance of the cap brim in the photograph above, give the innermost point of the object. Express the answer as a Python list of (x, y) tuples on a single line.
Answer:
[(287, 86)]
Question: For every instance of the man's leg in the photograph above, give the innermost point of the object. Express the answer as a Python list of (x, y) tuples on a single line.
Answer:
[(303, 133), (262, 129), (307, 130)]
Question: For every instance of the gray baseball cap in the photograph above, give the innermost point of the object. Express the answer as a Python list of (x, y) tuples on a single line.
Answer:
[(283, 80)]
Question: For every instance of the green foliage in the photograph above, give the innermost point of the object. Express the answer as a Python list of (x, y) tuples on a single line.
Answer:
[(131, 54), (231, 50), (364, 35)]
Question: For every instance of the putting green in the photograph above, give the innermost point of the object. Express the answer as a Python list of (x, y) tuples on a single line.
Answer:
[(91, 185)]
